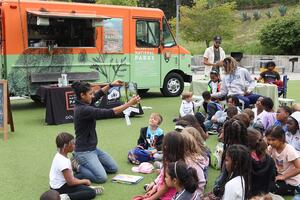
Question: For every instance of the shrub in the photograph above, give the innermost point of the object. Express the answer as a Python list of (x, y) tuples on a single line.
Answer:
[(281, 36), (245, 16), (269, 14), (256, 15), (282, 10)]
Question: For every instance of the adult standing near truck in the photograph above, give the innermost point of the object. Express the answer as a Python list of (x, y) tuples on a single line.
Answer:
[(93, 163), (213, 55)]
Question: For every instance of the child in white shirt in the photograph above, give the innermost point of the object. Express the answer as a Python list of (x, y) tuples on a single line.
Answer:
[(188, 106), (61, 175)]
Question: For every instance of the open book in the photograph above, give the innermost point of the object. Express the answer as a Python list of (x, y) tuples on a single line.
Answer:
[(127, 179)]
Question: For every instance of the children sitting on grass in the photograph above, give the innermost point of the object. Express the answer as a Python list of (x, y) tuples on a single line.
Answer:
[(188, 106), (287, 161), (292, 135), (184, 179), (151, 137), (173, 146), (237, 162), (61, 175), (220, 116), (282, 117), (211, 106), (214, 84), (263, 166), (268, 117)]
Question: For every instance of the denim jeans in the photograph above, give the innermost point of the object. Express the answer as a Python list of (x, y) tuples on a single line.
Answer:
[(249, 99), (94, 165)]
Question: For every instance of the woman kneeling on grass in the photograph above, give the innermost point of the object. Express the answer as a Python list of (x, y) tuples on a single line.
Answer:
[(61, 174), (93, 162)]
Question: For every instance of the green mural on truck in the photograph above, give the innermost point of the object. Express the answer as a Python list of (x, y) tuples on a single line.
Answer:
[(36, 61)]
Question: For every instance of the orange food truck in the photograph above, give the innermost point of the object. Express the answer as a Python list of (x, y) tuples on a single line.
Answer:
[(40, 40)]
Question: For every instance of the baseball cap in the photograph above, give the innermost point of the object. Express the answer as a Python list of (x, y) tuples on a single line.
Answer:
[(217, 38)]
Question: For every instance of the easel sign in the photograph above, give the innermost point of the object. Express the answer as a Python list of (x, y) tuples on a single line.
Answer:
[(5, 112)]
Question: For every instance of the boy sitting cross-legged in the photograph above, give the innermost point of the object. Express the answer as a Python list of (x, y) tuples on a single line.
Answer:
[(61, 175)]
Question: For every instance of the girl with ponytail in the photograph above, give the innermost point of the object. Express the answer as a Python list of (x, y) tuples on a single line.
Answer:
[(263, 166), (184, 179)]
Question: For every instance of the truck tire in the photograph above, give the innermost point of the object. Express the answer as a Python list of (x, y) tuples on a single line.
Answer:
[(173, 85)]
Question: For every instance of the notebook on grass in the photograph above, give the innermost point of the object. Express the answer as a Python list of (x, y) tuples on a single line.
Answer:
[(127, 179)]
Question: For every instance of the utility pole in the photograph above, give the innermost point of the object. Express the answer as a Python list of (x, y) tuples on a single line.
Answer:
[(177, 20)]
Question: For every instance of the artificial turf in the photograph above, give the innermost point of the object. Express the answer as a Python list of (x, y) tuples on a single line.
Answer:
[(26, 157)]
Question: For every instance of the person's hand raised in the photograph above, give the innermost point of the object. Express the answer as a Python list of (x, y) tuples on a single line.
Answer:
[(134, 100), (117, 83)]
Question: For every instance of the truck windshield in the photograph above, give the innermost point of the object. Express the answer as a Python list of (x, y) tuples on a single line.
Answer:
[(168, 40), (60, 32)]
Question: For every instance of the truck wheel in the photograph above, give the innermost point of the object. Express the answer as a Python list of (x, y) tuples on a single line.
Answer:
[(173, 85)]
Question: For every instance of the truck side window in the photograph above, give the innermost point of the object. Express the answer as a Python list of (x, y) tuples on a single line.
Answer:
[(147, 33), (168, 38), (113, 35), (60, 32)]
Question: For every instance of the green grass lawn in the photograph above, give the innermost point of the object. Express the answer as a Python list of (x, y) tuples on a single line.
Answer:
[(26, 157)]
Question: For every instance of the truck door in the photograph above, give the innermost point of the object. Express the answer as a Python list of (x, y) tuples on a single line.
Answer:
[(146, 61)]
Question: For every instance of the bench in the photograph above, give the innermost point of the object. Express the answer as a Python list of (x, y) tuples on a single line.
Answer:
[(72, 76)]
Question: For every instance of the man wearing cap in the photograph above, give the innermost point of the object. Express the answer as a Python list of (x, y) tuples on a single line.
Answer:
[(213, 55)]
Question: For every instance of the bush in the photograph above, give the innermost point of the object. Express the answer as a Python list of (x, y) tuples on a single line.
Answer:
[(245, 16), (281, 36), (269, 14), (282, 10), (256, 15)]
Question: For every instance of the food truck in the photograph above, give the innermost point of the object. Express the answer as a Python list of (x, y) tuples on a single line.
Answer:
[(40, 40)]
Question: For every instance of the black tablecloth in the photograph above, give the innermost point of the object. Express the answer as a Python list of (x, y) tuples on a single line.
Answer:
[(59, 109), (60, 101)]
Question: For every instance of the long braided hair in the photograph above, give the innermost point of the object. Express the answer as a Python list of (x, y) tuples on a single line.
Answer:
[(240, 166)]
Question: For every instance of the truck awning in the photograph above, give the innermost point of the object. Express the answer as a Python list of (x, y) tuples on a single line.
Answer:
[(67, 15)]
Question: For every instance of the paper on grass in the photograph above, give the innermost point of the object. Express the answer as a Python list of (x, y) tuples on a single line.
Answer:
[(127, 178)]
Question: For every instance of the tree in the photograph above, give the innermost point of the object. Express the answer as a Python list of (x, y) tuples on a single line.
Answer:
[(205, 20), (168, 6), (282, 36)]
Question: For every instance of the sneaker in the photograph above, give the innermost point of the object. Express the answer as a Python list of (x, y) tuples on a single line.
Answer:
[(75, 165), (146, 186), (64, 197), (98, 189)]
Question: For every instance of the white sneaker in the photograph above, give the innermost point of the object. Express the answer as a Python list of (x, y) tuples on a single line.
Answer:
[(98, 189), (64, 197)]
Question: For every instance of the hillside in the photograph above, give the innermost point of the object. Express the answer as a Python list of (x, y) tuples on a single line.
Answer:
[(246, 36)]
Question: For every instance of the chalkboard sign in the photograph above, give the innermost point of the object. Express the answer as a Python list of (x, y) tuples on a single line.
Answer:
[(3, 108)]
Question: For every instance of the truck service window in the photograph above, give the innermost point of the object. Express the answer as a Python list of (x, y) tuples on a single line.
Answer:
[(147, 33), (60, 32), (113, 35)]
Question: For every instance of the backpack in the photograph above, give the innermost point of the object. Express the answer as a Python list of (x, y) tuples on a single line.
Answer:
[(138, 155)]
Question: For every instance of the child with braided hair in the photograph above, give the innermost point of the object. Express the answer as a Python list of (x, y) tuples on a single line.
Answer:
[(183, 178)]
